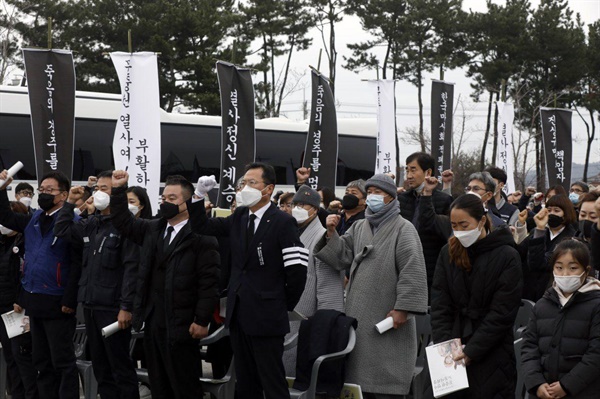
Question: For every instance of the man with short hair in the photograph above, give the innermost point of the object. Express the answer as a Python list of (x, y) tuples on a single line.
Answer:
[(106, 288), (352, 206), (49, 287), (24, 194), (177, 286), (413, 205), (482, 184), (508, 212), (268, 273)]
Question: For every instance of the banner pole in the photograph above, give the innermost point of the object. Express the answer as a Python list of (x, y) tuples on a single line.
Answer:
[(503, 90), (129, 42), (319, 62), (233, 49), (49, 33)]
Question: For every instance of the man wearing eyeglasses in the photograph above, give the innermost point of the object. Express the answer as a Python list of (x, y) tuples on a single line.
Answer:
[(268, 273), (49, 287), (24, 194)]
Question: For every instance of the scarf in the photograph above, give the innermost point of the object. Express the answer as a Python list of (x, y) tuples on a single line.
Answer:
[(388, 212)]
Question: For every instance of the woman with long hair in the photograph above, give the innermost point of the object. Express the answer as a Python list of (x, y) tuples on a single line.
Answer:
[(475, 296)]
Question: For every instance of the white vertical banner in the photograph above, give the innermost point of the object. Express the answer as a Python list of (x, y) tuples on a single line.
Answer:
[(136, 145), (387, 152), (505, 159)]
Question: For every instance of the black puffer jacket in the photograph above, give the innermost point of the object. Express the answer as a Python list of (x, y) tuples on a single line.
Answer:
[(562, 343), (432, 241), (11, 252), (480, 308)]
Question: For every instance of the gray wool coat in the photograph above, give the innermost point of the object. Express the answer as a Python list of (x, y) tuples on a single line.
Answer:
[(324, 289), (387, 272)]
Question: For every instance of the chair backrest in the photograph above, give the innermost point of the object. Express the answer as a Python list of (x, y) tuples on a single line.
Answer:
[(522, 317), (520, 391), (79, 341)]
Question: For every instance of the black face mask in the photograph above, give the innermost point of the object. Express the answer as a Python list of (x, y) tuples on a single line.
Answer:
[(555, 221), (168, 210), (585, 227), (46, 201), (349, 202)]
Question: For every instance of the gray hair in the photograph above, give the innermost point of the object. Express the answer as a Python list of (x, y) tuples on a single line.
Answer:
[(486, 179), (360, 185)]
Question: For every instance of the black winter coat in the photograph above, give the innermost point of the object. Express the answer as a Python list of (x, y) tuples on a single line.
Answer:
[(110, 262), (563, 344), (480, 308), (432, 241), (191, 270), (10, 266), (537, 272)]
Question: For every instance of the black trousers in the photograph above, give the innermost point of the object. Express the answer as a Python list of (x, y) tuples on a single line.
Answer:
[(113, 367), (258, 365), (22, 353), (54, 357), (174, 367)]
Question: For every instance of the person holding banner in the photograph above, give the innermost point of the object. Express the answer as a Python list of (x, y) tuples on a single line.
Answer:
[(387, 279), (177, 288), (419, 166), (106, 289), (268, 274), (49, 286)]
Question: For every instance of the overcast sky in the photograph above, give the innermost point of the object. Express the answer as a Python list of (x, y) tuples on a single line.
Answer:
[(356, 100)]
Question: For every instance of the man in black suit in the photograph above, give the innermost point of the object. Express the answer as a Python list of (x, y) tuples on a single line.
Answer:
[(177, 287), (268, 272)]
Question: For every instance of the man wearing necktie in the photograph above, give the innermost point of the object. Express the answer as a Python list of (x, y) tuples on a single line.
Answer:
[(177, 287), (268, 273)]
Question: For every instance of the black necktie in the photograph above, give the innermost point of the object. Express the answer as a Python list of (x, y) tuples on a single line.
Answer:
[(250, 230), (168, 238)]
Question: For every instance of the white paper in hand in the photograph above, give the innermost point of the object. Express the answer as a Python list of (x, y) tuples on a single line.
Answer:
[(12, 171), (110, 329), (16, 323), (447, 376)]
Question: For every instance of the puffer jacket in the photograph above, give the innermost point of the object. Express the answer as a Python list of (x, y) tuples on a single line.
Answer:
[(480, 308), (562, 343)]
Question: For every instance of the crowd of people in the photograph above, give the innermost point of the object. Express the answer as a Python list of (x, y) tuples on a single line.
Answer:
[(381, 251)]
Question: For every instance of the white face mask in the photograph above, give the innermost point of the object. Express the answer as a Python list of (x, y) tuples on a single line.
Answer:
[(5, 231), (467, 237), (300, 214), (101, 200), (25, 201), (248, 197), (568, 284), (77, 211), (133, 209)]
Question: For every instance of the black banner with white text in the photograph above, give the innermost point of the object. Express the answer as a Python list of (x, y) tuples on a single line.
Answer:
[(321, 151), (238, 140), (442, 103), (558, 145), (51, 85)]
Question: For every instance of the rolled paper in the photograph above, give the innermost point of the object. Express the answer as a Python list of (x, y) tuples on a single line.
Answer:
[(12, 171), (384, 325), (110, 329)]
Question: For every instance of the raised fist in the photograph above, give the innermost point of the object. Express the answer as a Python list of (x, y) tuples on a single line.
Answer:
[(120, 178), (205, 184), (302, 175), (75, 194)]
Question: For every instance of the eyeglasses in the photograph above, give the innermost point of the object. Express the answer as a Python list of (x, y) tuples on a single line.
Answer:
[(474, 188), (25, 193), (576, 191), (250, 183), (48, 190)]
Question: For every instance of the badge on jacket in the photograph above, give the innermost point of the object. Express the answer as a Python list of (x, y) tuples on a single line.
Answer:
[(261, 259), (15, 250)]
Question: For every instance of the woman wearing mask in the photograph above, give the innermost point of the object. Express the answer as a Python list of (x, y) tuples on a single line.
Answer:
[(561, 348), (324, 285), (554, 223), (17, 351), (139, 203), (387, 279), (475, 296)]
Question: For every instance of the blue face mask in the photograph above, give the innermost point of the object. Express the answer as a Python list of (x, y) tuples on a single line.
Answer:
[(375, 202), (574, 197)]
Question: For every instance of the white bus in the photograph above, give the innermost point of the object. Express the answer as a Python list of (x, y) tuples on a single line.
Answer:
[(191, 144)]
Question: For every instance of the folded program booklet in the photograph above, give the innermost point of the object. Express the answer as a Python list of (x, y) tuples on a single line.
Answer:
[(447, 375), (16, 323)]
